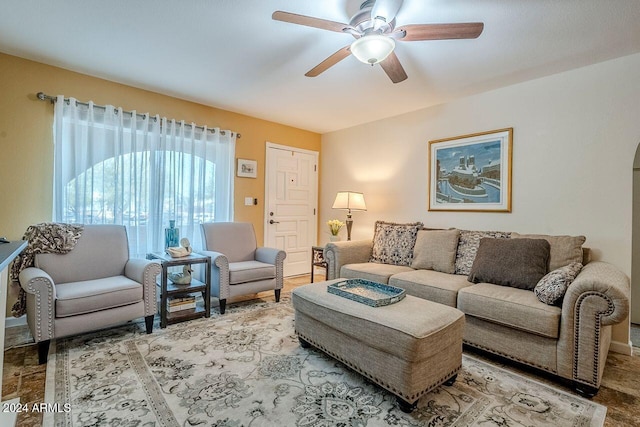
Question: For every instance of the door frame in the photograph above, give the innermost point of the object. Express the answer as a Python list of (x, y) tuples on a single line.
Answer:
[(268, 164)]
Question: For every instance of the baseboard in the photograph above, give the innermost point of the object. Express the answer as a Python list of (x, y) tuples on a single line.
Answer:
[(622, 348), (12, 322)]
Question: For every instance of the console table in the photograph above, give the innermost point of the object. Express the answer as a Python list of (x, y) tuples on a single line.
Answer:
[(8, 252)]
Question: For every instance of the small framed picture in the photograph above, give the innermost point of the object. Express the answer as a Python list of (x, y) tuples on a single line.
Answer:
[(247, 168), (471, 172)]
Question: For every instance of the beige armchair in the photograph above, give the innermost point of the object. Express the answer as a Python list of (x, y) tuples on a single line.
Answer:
[(238, 266), (94, 286)]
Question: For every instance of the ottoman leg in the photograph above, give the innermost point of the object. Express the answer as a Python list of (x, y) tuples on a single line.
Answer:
[(303, 343), (405, 406), (451, 380)]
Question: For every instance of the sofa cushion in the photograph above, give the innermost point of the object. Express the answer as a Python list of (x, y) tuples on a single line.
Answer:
[(515, 308), (393, 243), (552, 287), (468, 246), (436, 250), (87, 296), (373, 271), (250, 271), (431, 285), (519, 263), (564, 249)]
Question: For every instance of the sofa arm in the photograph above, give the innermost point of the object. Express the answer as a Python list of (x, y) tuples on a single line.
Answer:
[(41, 297), (219, 274), (337, 254), (598, 298), (145, 272), (275, 257)]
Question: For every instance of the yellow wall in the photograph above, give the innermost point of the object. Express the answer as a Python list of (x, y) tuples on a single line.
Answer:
[(26, 144)]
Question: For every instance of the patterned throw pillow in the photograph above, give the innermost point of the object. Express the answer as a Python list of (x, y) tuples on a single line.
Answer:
[(552, 287), (393, 243), (468, 247)]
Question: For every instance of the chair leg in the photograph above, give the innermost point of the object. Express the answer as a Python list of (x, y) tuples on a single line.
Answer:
[(223, 305), (148, 321), (43, 351), (277, 295)]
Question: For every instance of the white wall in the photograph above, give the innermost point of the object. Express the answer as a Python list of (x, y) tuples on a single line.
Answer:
[(575, 136)]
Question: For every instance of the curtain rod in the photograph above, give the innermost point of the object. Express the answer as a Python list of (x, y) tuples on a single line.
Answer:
[(44, 97)]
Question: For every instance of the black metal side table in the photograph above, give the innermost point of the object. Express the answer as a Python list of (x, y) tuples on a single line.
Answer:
[(317, 259), (170, 289)]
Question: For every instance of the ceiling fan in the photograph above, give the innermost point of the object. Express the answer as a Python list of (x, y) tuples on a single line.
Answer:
[(375, 31)]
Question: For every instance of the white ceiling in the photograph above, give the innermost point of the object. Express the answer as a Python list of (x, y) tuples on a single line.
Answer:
[(230, 54)]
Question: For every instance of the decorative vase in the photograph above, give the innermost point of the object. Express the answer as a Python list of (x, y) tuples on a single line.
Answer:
[(171, 235), (334, 238)]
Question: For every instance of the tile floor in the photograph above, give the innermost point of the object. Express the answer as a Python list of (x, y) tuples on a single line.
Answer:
[(620, 390)]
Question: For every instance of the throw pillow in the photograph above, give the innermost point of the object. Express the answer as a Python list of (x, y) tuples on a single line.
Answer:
[(393, 243), (564, 249), (518, 263), (552, 287), (468, 246), (436, 250)]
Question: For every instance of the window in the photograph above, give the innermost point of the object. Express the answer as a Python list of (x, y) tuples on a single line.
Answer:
[(114, 167)]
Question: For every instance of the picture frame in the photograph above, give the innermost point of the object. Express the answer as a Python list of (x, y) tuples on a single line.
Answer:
[(471, 173), (247, 168)]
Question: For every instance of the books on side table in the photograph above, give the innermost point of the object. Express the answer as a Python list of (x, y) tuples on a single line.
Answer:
[(181, 303)]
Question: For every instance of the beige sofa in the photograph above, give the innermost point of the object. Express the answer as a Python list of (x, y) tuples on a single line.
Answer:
[(571, 340)]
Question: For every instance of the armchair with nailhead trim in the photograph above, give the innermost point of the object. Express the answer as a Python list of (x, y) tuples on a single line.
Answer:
[(92, 287), (238, 265)]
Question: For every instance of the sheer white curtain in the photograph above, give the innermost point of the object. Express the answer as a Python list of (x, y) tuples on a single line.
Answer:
[(112, 167)]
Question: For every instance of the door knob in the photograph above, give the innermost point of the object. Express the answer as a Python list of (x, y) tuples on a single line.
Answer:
[(273, 222)]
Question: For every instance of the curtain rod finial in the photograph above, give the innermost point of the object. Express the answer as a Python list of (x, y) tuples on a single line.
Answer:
[(43, 97)]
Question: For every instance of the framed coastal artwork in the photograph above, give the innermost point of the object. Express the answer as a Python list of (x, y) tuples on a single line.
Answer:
[(247, 168), (471, 173)]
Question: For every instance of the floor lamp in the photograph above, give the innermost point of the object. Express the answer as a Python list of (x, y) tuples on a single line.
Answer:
[(349, 201)]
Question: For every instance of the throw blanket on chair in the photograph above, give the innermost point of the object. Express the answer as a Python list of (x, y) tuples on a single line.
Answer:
[(44, 238)]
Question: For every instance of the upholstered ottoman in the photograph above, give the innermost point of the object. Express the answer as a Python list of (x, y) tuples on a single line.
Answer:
[(408, 348)]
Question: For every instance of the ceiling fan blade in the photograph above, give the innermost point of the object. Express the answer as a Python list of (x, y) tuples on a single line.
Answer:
[(416, 32), (386, 9), (391, 65), (309, 21), (329, 62)]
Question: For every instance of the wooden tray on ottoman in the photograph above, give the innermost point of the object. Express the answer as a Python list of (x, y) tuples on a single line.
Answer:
[(367, 292)]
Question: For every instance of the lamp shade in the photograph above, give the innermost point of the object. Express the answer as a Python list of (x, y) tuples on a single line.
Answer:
[(349, 200), (372, 48)]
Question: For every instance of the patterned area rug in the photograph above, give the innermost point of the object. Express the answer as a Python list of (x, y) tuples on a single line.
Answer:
[(246, 368)]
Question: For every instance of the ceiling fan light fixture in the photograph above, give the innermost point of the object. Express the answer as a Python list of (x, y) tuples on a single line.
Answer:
[(372, 48)]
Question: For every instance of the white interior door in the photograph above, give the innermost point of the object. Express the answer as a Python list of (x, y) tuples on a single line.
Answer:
[(291, 198)]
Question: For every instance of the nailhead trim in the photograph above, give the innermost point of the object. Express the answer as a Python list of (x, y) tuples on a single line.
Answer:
[(38, 297), (408, 398), (510, 357), (576, 332), (331, 262), (149, 288), (223, 282), (280, 269)]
